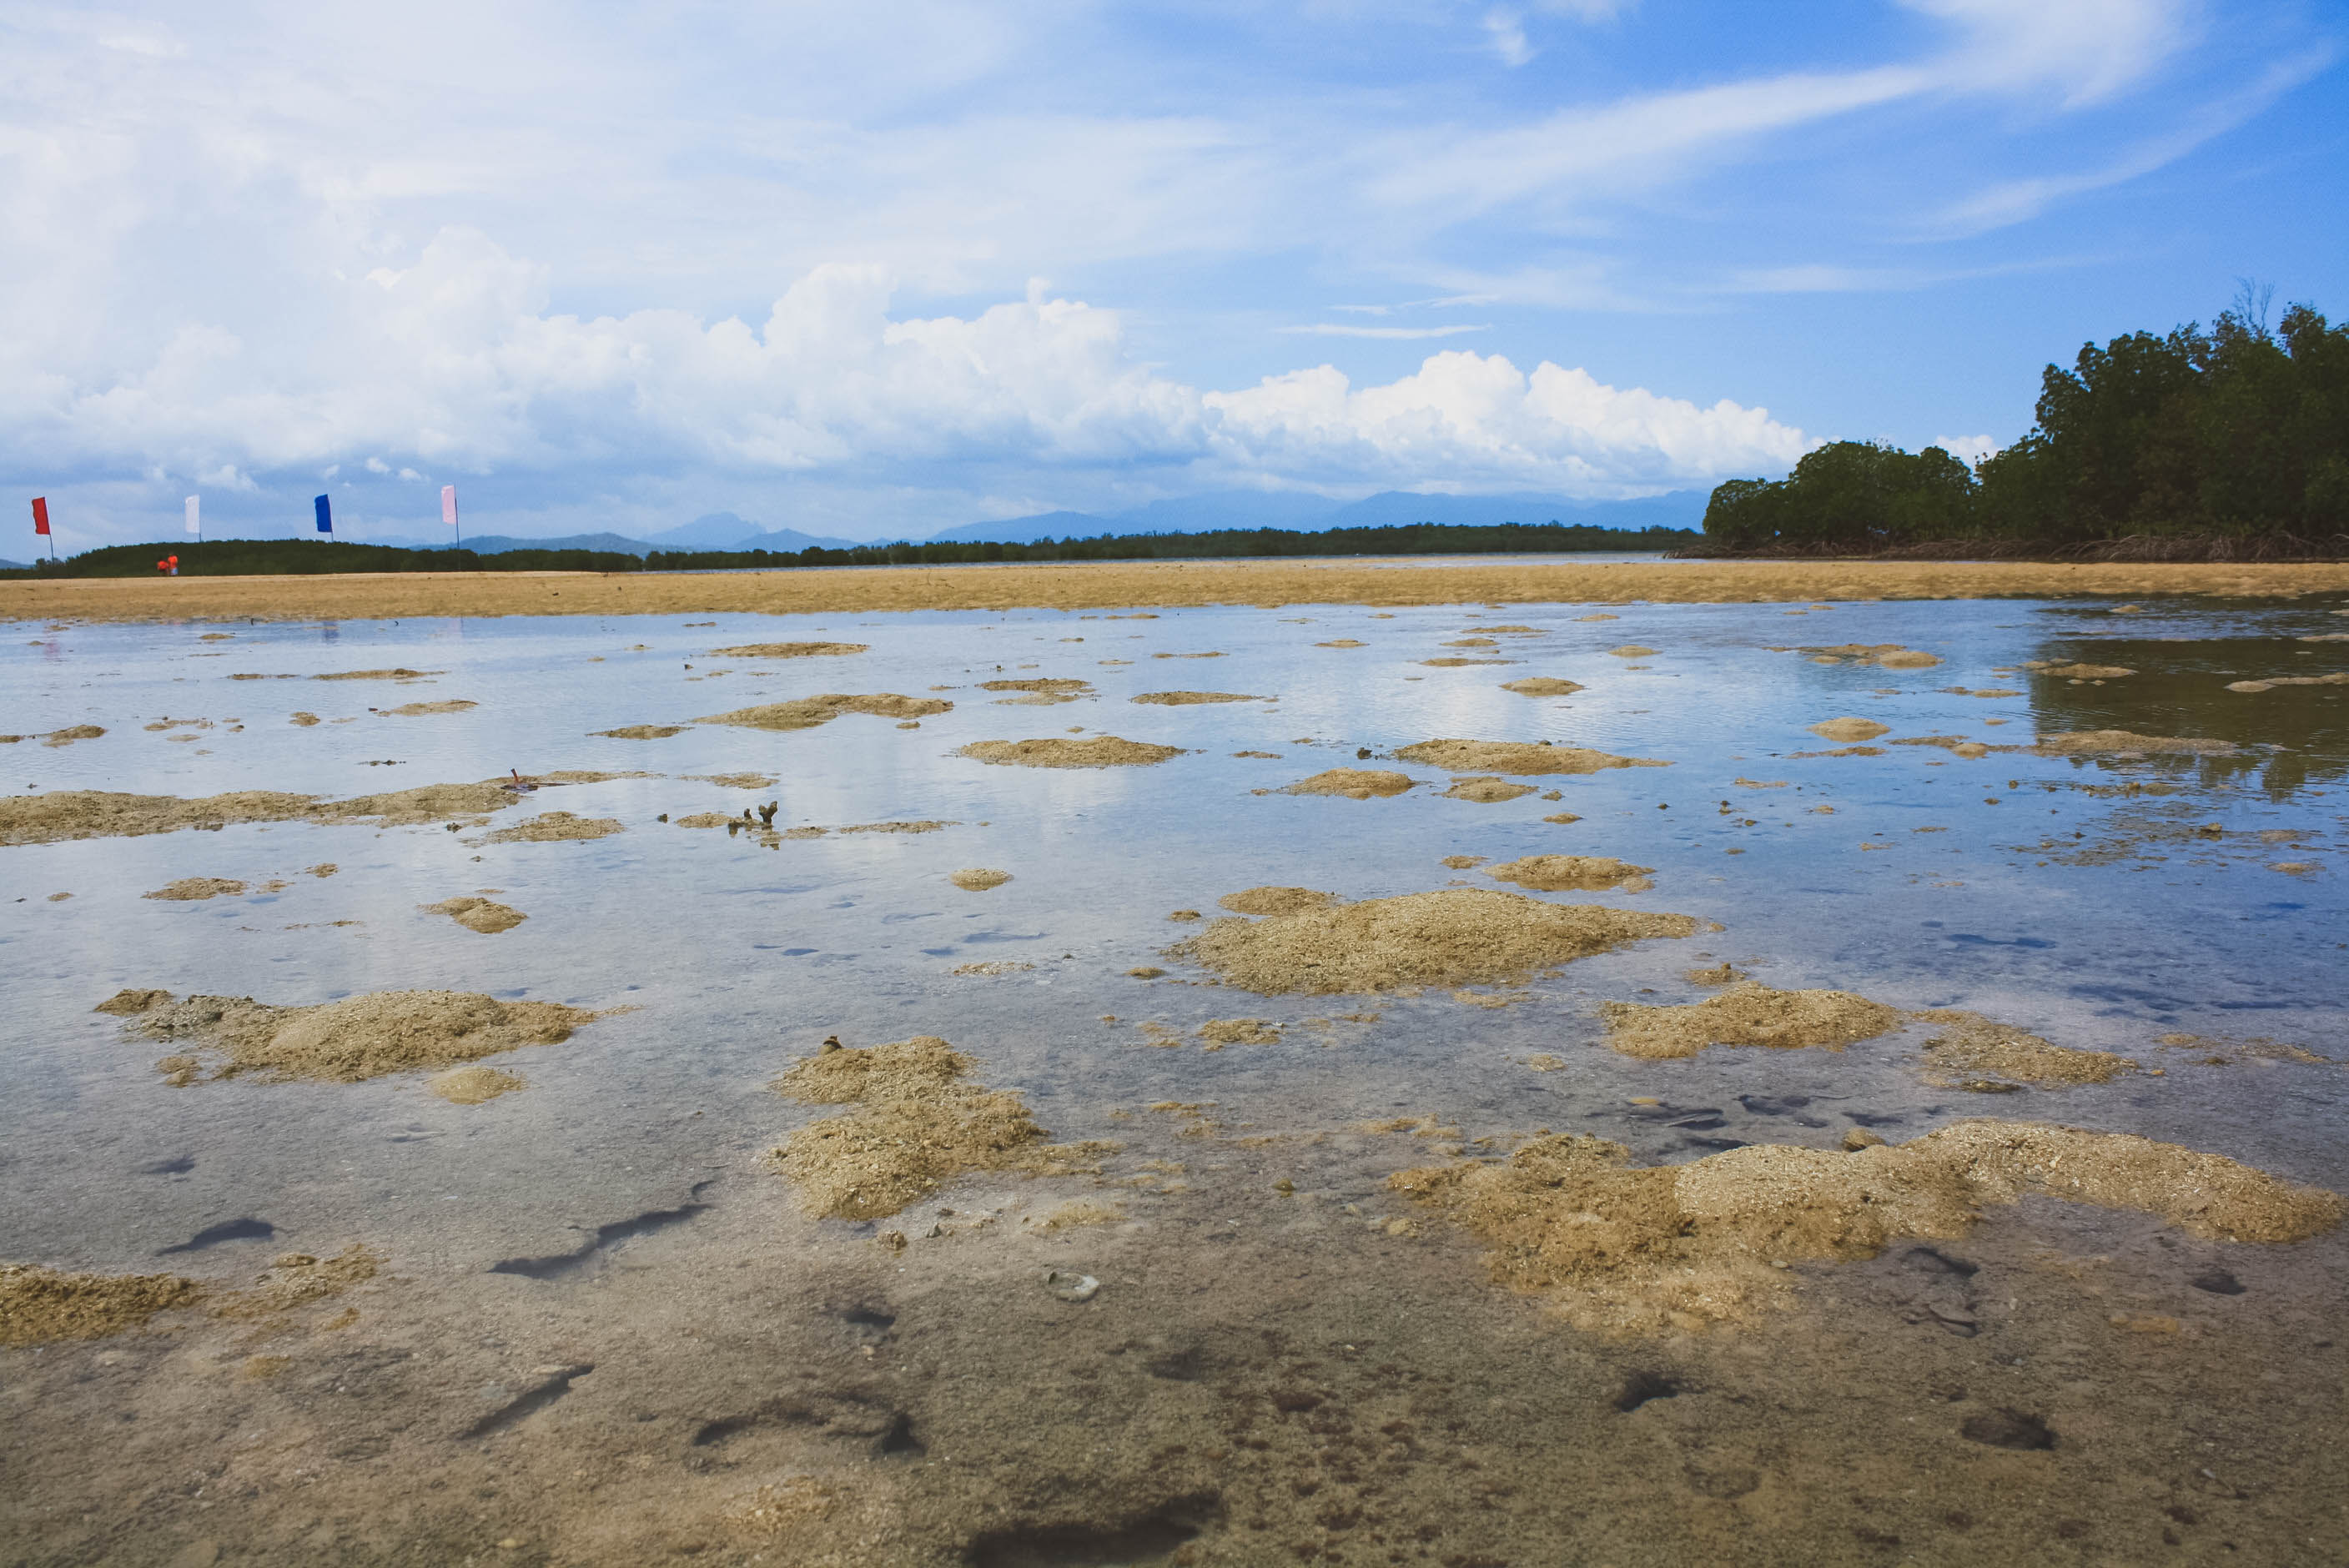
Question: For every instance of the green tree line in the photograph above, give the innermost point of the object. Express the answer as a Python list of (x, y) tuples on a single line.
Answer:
[(2237, 435), (244, 557)]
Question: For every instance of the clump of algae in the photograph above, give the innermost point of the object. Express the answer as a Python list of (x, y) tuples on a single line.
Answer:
[(1977, 1053), (1637, 1250), (1541, 686), (481, 914), (1192, 698), (358, 1038), (556, 827), (2077, 671), (1849, 730), (807, 712), (643, 731), (915, 1126), (297, 1279), (1453, 936), (790, 650), (1887, 655), (64, 814), (1577, 873), (1353, 783), (1517, 756), (400, 674), (1274, 899), (978, 879), (1749, 1015), (41, 1307), (1101, 751), (2122, 742)]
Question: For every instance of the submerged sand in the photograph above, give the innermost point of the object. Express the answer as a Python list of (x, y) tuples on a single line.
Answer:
[(474, 1085), (1193, 699), (1101, 751), (1643, 1249), (64, 814), (790, 650), (1516, 757), (916, 1126), (1752, 1014), (2124, 743), (556, 827), (1486, 791), (1353, 783), (1454, 936), (1274, 899), (358, 1038), (978, 879), (807, 712), (1042, 691), (42, 1307), (643, 731), (1847, 730), (1575, 874), (1982, 1054), (481, 914), (189, 890), (1541, 686)]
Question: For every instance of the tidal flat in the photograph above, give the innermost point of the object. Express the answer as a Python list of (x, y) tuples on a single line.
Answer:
[(1815, 1074)]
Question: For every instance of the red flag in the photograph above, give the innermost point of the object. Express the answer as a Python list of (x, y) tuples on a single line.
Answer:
[(40, 514)]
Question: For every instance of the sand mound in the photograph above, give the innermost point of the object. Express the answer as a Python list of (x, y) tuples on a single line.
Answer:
[(555, 827), (1193, 699), (1632, 651), (978, 879), (2077, 671), (424, 803), (474, 1085), (477, 914), (362, 1037), (1977, 1053), (916, 1126), (1449, 663), (1218, 1033), (190, 888), (391, 674), (1274, 899), (63, 814), (1541, 686), (1749, 1015), (789, 650), (1101, 751), (1719, 975), (706, 819), (68, 736), (419, 709), (1486, 791), (1354, 783), (1343, 643), (297, 1279), (40, 1306), (1889, 655), (1516, 757), (1844, 730), (1641, 1249), (1041, 692), (303, 720), (1472, 643), (807, 712), (643, 731), (1577, 873), (2122, 743), (1456, 937)]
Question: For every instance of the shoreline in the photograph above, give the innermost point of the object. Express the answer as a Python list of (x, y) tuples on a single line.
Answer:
[(1088, 586)]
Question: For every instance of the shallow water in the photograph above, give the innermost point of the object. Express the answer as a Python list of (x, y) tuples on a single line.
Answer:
[(2042, 891)]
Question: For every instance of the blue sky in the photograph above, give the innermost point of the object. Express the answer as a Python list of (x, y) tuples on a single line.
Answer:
[(882, 269)]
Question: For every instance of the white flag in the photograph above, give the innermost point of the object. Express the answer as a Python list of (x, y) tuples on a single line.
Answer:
[(196, 520), (449, 505)]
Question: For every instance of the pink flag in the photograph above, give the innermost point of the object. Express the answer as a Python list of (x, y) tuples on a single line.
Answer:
[(449, 505)]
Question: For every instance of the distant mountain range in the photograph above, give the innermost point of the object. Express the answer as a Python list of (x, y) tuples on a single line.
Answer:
[(1193, 514)]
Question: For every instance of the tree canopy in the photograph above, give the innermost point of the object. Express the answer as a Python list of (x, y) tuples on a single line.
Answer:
[(2239, 432)]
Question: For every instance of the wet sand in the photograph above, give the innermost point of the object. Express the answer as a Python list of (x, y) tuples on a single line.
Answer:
[(1079, 585)]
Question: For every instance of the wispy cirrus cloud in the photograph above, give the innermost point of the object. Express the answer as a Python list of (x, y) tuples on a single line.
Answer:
[(1348, 329)]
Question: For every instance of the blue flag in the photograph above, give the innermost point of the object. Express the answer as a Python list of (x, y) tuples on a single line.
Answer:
[(325, 517)]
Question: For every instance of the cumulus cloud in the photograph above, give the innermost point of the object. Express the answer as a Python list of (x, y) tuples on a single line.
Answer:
[(455, 362)]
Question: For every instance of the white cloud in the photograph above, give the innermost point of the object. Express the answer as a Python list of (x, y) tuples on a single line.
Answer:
[(1342, 329), (1506, 33), (458, 364), (1972, 448)]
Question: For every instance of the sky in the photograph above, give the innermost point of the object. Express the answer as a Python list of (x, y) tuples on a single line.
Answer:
[(881, 269)]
